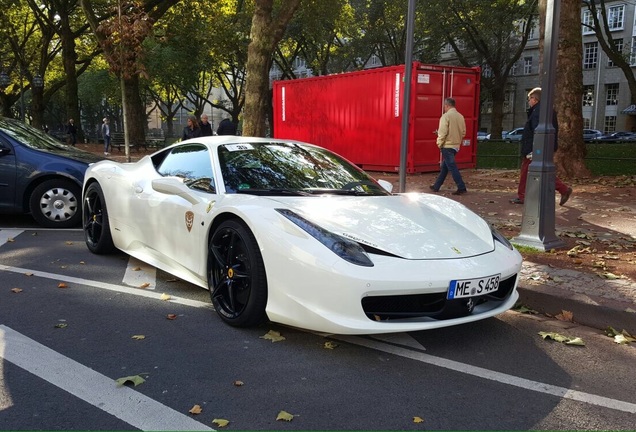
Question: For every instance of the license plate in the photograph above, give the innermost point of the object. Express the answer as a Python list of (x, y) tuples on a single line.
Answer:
[(473, 287)]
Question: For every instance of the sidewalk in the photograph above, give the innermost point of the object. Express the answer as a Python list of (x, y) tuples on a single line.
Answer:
[(599, 209)]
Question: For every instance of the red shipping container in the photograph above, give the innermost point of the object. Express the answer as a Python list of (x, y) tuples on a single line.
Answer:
[(359, 114)]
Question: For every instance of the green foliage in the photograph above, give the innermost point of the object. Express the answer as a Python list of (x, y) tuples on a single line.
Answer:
[(601, 159)]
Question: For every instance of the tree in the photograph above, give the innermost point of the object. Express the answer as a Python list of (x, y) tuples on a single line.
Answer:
[(268, 27), (492, 35), (569, 83)]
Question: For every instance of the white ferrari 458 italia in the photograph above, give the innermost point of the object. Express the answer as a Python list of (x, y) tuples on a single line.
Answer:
[(291, 232)]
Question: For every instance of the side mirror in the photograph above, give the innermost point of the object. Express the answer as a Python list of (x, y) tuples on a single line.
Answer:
[(174, 186), (386, 185)]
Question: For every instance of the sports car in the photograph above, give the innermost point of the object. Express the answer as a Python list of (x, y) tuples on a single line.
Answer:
[(291, 232)]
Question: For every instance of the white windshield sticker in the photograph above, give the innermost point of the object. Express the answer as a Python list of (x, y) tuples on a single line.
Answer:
[(239, 147)]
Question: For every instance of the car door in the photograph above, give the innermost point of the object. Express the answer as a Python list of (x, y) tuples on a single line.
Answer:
[(8, 175), (176, 226)]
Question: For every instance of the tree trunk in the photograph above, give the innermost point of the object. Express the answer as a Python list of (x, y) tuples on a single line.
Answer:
[(135, 112), (267, 30), (69, 58), (570, 157)]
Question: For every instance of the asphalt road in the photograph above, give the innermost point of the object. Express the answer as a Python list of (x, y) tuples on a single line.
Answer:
[(76, 322)]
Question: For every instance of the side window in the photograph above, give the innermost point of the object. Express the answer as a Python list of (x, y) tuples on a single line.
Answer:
[(192, 163)]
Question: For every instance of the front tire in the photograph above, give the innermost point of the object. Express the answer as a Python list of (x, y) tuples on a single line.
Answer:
[(55, 204), (236, 275), (95, 221)]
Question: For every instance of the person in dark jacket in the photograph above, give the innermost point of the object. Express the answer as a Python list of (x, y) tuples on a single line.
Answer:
[(226, 127), (71, 132), (192, 130), (206, 126), (527, 141)]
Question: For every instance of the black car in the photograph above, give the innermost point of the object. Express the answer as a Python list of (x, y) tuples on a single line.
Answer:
[(40, 175)]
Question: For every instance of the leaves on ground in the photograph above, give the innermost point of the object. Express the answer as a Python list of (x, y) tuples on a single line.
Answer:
[(563, 339), (524, 309), (165, 297), (138, 337), (16, 290), (196, 409), (238, 383), (144, 285), (61, 325), (284, 415), (171, 316), (622, 338), (135, 380), (136, 269), (221, 422), (330, 345), (273, 335), (417, 419), (62, 285), (565, 316)]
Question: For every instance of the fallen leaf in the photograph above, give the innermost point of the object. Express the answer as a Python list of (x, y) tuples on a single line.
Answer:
[(135, 380), (69, 243), (565, 316), (525, 310), (165, 297), (221, 422), (82, 262), (561, 338), (61, 325), (28, 274), (171, 316), (144, 285), (238, 383), (136, 269), (274, 336), (62, 285), (196, 409), (330, 345), (16, 290), (63, 267), (608, 275), (10, 240), (417, 419), (284, 415), (138, 337)]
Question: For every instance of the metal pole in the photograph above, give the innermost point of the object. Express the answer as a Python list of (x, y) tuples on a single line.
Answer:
[(537, 223), (408, 68), (21, 97)]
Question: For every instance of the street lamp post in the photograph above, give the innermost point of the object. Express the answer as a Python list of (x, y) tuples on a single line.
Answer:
[(537, 223)]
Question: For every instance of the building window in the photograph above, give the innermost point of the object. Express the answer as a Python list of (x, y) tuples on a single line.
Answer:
[(509, 98), (632, 53), (513, 70), (610, 124), (527, 65), (375, 61), (611, 93), (587, 123), (533, 32), (618, 47), (590, 55), (587, 22), (588, 95), (486, 71), (615, 17), (448, 48), (486, 105)]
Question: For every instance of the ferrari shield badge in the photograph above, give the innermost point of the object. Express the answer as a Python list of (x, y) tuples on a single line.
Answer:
[(189, 220)]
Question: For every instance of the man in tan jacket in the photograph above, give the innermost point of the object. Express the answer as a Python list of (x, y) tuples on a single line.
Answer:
[(451, 131)]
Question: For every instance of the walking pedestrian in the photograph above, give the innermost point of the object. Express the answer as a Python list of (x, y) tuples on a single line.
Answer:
[(451, 131), (192, 130), (206, 126), (71, 132), (106, 135), (226, 127), (527, 141)]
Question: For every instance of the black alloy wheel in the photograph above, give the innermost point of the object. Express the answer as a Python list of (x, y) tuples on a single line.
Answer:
[(95, 221), (236, 275)]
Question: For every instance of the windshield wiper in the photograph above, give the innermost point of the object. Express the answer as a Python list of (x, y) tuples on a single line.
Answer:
[(273, 192)]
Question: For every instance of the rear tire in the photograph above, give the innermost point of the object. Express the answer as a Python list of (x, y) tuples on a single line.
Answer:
[(55, 204), (95, 221)]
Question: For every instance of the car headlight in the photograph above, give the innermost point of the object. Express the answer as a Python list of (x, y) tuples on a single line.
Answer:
[(346, 249), (500, 238)]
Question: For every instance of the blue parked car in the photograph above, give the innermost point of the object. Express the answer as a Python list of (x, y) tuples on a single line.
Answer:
[(40, 175)]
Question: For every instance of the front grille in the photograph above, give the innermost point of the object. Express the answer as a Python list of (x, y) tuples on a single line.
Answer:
[(434, 306)]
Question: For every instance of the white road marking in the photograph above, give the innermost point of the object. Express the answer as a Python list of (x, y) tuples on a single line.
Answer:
[(503, 378), (141, 292), (6, 234), (99, 390), (138, 274), (512, 380)]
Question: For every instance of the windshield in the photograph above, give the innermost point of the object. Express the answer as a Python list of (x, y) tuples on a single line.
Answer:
[(30, 136), (291, 168)]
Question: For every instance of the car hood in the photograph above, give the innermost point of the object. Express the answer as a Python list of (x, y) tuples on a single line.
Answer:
[(78, 155), (411, 226)]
